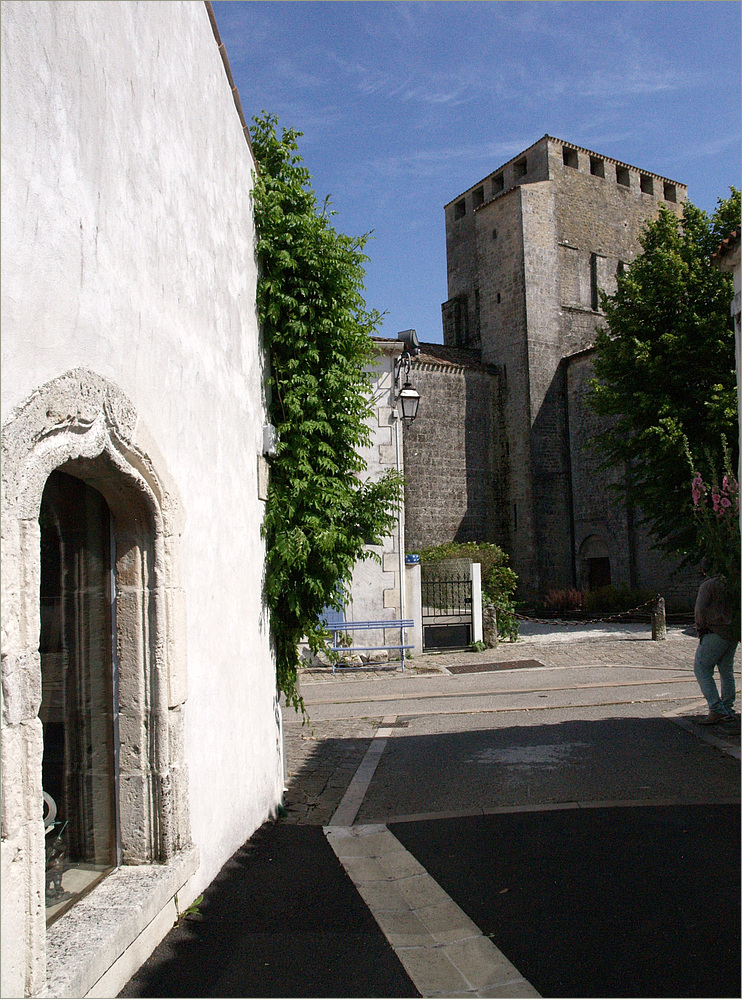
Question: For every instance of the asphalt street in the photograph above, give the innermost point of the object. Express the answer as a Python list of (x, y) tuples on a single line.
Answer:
[(546, 818)]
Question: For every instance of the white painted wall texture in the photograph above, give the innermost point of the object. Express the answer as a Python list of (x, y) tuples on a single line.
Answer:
[(128, 251), (375, 587)]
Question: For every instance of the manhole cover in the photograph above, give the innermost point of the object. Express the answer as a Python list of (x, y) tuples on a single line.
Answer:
[(495, 667)]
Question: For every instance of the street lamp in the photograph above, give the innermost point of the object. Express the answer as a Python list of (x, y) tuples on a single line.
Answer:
[(405, 401), (407, 396)]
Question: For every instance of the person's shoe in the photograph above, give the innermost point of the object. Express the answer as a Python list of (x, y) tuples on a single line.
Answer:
[(712, 718), (731, 722)]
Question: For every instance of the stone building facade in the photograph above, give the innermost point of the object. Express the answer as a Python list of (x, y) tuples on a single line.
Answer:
[(385, 587), (455, 470), (529, 248), (141, 731)]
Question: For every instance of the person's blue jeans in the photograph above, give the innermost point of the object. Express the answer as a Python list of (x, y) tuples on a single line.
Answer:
[(716, 652)]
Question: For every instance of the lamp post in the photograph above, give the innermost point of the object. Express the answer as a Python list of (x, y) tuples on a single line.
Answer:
[(405, 401), (407, 397)]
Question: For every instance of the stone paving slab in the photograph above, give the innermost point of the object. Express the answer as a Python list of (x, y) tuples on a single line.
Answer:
[(441, 949)]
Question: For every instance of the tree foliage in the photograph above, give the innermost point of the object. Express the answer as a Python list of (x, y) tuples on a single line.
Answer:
[(319, 513), (664, 369)]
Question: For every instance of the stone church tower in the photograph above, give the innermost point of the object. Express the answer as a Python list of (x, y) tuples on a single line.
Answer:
[(529, 247)]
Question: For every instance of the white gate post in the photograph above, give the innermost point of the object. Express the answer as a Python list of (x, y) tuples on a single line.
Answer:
[(414, 605), (476, 602)]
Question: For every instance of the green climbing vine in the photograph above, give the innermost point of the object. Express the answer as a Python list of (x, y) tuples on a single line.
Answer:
[(320, 515)]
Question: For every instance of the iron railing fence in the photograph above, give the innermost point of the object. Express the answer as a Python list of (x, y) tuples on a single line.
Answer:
[(446, 598)]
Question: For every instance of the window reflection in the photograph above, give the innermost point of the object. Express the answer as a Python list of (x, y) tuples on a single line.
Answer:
[(77, 706)]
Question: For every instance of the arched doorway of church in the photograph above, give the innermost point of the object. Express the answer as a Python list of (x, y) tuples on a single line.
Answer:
[(79, 689)]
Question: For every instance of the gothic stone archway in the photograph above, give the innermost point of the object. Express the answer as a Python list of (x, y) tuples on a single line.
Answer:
[(84, 425)]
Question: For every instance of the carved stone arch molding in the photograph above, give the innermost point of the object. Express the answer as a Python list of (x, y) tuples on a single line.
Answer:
[(85, 426)]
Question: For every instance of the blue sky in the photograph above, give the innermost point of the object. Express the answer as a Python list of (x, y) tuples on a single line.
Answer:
[(405, 105)]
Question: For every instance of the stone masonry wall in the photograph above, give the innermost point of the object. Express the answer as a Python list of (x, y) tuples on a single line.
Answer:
[(529, 248), (449, 457), (599, 512)]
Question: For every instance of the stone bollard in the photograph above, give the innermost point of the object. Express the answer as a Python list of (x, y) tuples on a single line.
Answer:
[(659, 626), (489, 625)]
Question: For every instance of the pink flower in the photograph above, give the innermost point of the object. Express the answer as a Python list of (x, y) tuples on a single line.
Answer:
[(725, 502), (698, 489), (716, 499), (729, 484)]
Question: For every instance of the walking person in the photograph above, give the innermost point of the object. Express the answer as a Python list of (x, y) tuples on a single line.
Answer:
[(716, 647)]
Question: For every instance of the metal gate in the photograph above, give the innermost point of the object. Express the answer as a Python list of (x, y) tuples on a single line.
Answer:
[(447, 614)]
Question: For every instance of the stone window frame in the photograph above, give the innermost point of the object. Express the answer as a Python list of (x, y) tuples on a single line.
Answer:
[(85, 425)]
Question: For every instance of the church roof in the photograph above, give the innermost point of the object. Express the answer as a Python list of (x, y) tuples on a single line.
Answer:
[(439, 354)]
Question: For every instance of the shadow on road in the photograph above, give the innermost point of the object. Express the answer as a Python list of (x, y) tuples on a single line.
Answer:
[(641, 901), (281, 919)]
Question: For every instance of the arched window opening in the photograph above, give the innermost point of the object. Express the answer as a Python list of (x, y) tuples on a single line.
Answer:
[(79, 698)]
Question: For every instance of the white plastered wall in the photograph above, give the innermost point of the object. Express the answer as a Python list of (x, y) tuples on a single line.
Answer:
[(128, 252), (375, 588)]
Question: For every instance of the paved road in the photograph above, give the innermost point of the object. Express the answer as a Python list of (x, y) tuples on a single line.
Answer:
[(585, 690), (586, 739), (546, 818)]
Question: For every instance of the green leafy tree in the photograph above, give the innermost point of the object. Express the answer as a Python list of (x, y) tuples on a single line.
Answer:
[(664, 369), (319, 515)]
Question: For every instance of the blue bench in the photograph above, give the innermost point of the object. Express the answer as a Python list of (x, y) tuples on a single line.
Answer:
[(343, 627)]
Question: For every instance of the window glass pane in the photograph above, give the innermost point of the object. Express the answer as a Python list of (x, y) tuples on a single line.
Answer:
[(77, 705)]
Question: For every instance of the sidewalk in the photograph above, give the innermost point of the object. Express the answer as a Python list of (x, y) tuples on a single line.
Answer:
[(554, 645)]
